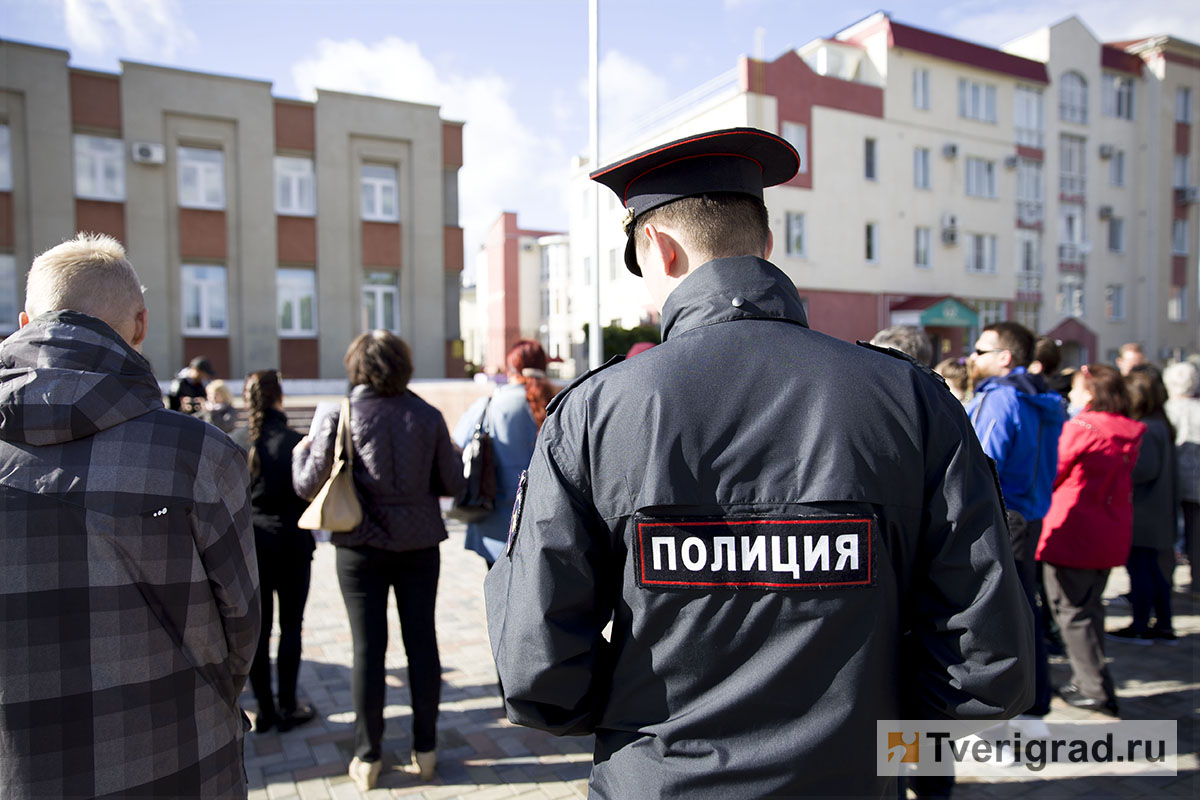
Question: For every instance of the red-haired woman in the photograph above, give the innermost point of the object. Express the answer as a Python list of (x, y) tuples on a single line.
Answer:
[(1089, 526), (513, 415)]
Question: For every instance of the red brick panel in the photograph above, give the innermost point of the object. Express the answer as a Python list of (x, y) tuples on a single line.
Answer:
[(202, 233), (98, 216), (96, 100), (452, 155), (299, 358), (295, 126), (1032, 153), (381, 244), (453, 245), (847, 315), (455, 366), (216, 350), (296, 240), (6, 220), (1179, 270), (1183, 138)]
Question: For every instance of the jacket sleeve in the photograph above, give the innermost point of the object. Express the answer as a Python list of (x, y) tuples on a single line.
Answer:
[(545, 614), (312, 461), (447, 463), (1071, 444), (995, 423), (1149, 459), (970, 647)]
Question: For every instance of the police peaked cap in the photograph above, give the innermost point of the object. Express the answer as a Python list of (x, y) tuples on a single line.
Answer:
[(738, 160)]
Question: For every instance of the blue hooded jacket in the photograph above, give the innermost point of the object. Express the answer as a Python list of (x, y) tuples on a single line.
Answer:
[(1018, 421)]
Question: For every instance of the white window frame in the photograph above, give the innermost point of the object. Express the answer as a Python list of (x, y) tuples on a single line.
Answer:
[(871, 242), (1072, 162), (981, 253), (1114, 302), (976, 100), (1116, 168), (921, 168), (1029, 119), (210, 282), (1180, 170), (1072, 98), (375, 181), (1183, 104), (1070, 298), (921, 88), (1029, 191), (796, 134), (980, 177), (1177, 304), (294, 286), (99, 168), (1116, 235), (295, 187), (1118, 96), (871, 158), (207, 190), (795, 234), (6, 176), (384, 295), (1179, 237), (1028, 261), (10, 300), (922, 246)]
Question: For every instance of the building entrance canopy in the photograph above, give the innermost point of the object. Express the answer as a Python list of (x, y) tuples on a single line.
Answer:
[(934, 312)]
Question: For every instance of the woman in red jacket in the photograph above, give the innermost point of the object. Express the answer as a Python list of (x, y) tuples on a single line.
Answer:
[(1089, 526)]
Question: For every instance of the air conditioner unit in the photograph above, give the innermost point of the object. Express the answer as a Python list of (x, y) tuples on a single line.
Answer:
[(1106, 212), (1010, 162), (1190, 194), (1106, 151), (950, 150), (147, 153), (949, 220), (949, 235)]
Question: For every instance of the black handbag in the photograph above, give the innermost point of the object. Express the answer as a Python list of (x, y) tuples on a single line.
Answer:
[(477, 499)]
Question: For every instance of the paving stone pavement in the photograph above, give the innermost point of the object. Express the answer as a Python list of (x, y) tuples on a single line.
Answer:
[(481, 756)]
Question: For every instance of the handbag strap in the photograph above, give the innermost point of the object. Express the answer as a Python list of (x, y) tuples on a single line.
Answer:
[(479, 426), (343, 444)]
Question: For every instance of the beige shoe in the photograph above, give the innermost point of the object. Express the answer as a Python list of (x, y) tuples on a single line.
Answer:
[(365, 774), (423, 764)]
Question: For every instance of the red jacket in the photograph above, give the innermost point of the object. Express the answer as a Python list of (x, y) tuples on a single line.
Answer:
[(1090, 521)]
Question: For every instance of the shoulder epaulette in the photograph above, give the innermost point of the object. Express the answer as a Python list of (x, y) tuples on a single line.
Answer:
[(556, 401), (903, 356)]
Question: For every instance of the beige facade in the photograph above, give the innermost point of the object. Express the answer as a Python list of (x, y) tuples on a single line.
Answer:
[(268, 232)]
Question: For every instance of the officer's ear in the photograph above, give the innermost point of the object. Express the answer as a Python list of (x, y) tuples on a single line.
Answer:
[(664, 252), (770, 245)]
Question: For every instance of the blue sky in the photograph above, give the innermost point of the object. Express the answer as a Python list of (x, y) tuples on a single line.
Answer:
[(515, 70)]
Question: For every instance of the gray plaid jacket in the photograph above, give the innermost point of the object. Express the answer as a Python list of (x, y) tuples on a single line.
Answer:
[(129, 609)]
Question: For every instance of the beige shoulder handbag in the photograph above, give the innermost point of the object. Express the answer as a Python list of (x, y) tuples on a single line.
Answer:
[(336, 507)]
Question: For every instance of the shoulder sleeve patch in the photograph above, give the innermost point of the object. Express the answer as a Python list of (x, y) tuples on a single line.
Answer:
[(556, 401), (900, 354)]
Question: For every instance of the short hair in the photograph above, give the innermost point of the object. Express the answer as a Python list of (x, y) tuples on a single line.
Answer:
[(1047, 353), (1132, 347), (717, 225), (954, 370), (1016, 339), (1107, 388), (1182, 379), (381, 360), (1147, 394), (908, 339), (90, 274)]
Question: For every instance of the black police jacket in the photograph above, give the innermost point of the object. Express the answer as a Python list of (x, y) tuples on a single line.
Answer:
[(793, 538)]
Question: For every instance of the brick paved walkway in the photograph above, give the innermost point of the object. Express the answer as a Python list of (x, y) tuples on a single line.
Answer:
[(482, 756)]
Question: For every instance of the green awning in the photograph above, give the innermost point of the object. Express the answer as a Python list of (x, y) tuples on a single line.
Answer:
[(949, 313)]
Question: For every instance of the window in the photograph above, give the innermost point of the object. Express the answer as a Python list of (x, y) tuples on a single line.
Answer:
[(381, 302), (795, 235), (976, 100), (981, 252), (297, 290), (921, 167), (796, 135), (1179, 237), (1116, 168), (6, 179), (1029, 265), (1114, 302), (1028, 119), (201, 178), (921, 241), (1072, 179), (1071, 233), (295, 187), (1027, 314), (981, 177), (1183, 104), (1072, 98), (921, 89), (1029, 191), (204, 300), (380, 193), (1177, 304), (544, 300), (1180, 170), (545, 273), (99, 168), (1069, 302), (1117, 96), (9, 305), (869, 159), (1116, 235), (989, 311), (872, 242)]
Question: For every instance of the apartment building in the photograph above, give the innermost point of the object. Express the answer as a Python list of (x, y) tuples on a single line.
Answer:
[(950, 185), (268, 232)]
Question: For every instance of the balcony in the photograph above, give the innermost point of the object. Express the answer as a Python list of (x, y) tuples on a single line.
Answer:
[(1029, 281), (1072, 257), (1030, 213), (1072, 185), (1030, 137)]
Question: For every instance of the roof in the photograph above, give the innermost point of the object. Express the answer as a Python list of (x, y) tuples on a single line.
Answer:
[(1116, 58)]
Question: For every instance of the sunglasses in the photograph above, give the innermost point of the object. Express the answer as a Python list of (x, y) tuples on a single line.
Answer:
[(979, 352)]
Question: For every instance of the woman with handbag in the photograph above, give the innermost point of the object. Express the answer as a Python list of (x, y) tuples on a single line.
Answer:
[(284, 551), (402, 460), (512, 417)]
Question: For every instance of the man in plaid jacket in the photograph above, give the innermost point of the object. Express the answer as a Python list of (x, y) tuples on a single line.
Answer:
[(129, 609)]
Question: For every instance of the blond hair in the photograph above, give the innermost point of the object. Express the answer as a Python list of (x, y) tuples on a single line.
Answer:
[(89, 274), (219, 392)]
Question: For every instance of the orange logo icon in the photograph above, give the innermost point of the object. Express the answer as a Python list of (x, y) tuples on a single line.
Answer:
[(905, 746)]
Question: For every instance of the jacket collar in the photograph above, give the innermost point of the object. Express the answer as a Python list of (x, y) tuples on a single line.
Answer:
[(726, 289)]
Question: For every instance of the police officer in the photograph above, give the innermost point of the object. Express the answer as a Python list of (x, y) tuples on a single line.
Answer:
[(793, 537)]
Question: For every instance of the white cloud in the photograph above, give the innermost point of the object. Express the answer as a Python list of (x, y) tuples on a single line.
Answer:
[(141, 29), (1111, 20), (506, 165), (629, 91)]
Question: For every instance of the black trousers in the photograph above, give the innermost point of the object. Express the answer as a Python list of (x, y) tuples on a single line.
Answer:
[(1076, 597), (1148, 589), (366, 576), (1024, 535), (286, 576)]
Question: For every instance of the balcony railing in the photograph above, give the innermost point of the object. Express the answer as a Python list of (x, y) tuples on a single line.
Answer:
[(1029, 281), (1072, 253), (1072, 184), (1030, 212), (1031, 137)]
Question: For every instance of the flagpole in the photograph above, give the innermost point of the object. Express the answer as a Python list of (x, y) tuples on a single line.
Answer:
[(596, 337)]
